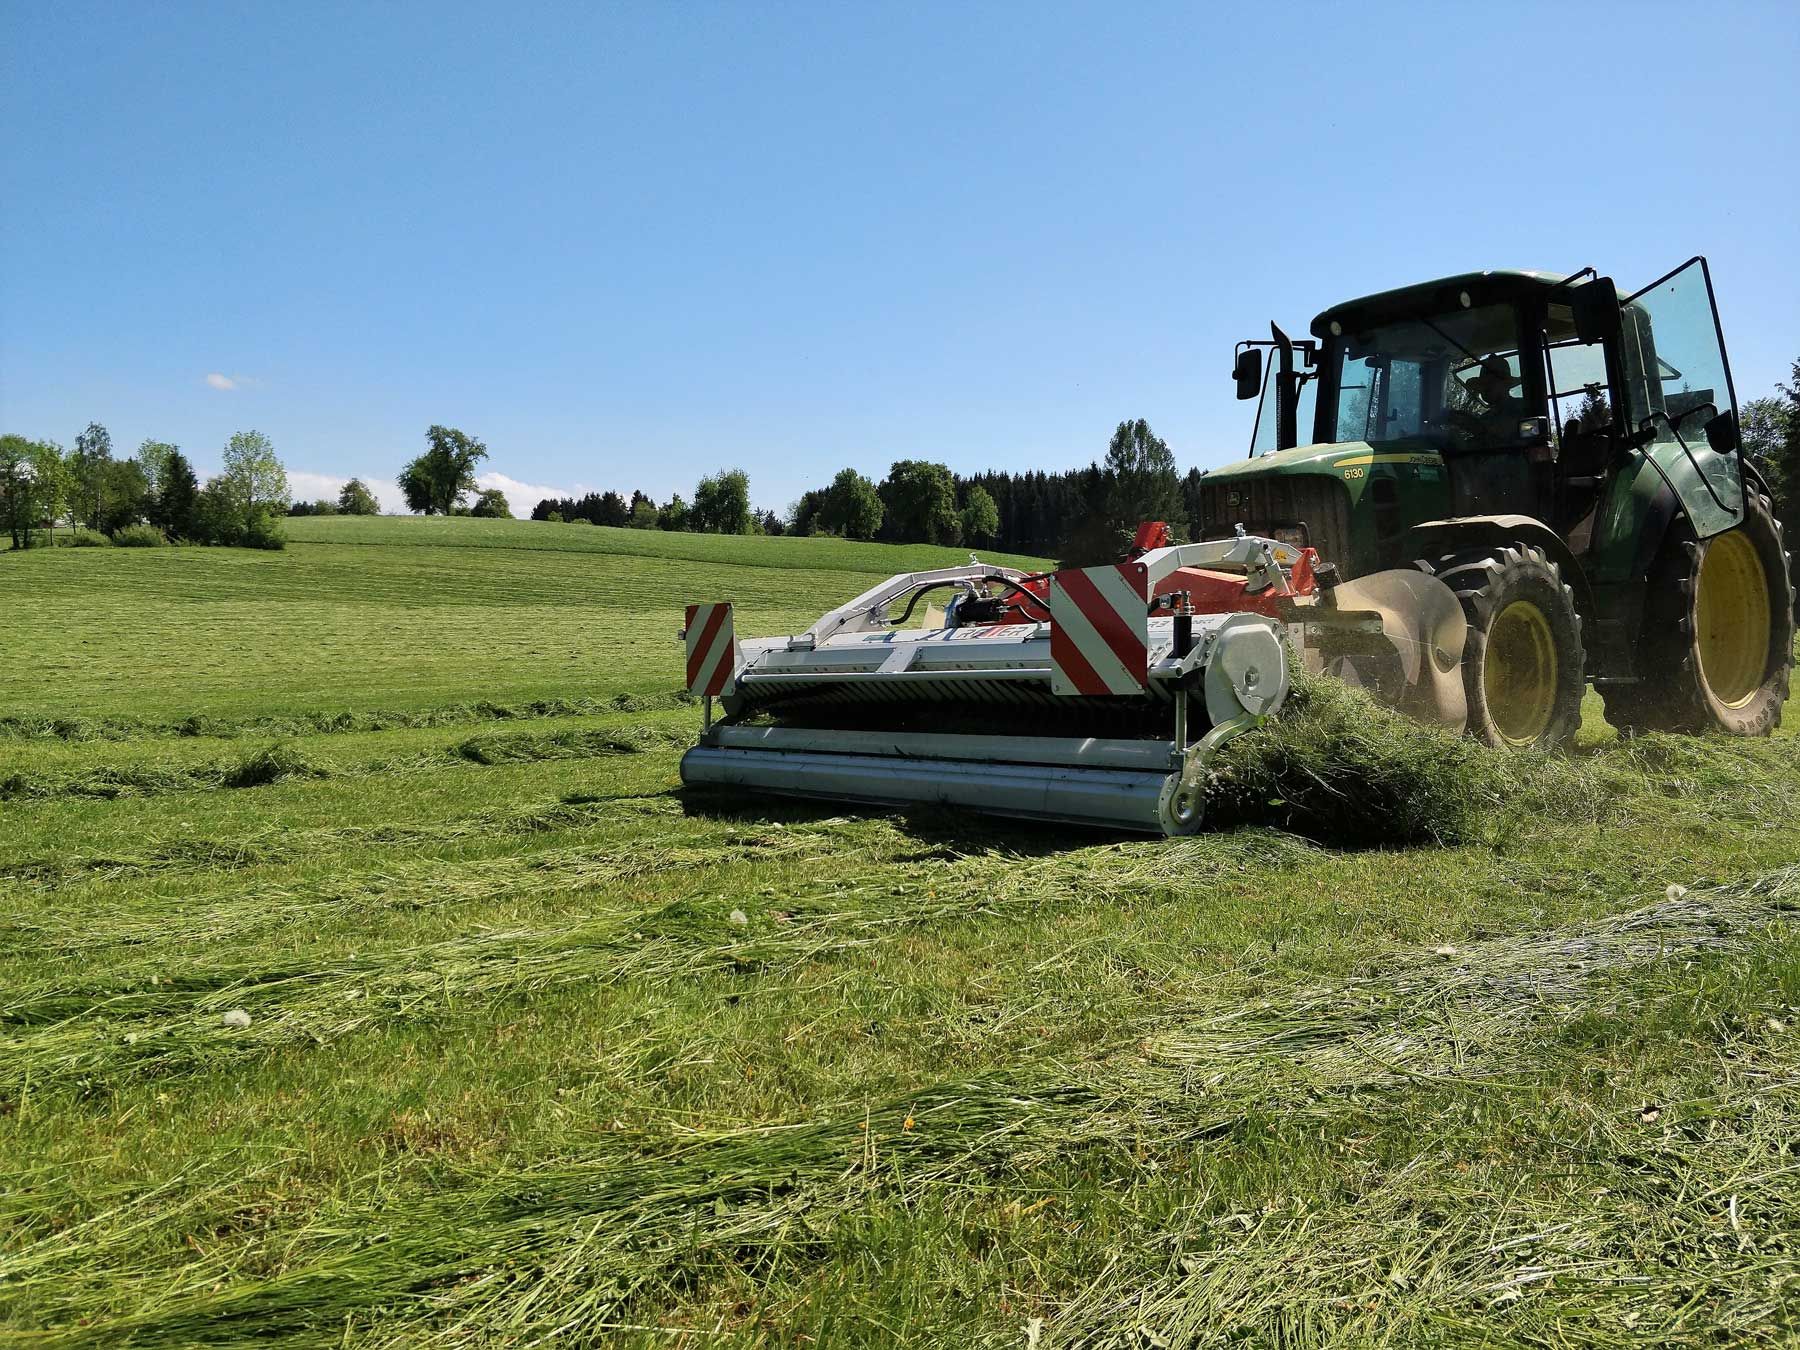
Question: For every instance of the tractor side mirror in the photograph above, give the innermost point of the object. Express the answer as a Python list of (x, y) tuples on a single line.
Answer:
[(1248, 372), (1722, 432), (1596, 307)]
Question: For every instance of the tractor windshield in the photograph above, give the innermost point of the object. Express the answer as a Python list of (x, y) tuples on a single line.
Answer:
[(1446, 379)]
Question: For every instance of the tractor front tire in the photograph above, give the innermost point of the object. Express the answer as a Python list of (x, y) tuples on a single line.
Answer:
[(1716, 650), (1524, 668)]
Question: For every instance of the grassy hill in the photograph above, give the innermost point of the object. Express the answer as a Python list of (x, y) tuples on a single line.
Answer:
[(401, 613), (719, 550), (364, 980)]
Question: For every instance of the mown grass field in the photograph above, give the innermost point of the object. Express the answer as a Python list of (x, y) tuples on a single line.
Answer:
[(539, 1051)]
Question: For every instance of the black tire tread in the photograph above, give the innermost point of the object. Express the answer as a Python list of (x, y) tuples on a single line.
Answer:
[(1671, 693), (1481, 578)]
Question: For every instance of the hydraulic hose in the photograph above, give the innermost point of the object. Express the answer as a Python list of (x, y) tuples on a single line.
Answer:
[(912, 603)]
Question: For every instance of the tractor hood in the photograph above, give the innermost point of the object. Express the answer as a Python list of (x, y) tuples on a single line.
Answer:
[(1328, 457), (1351, 500)]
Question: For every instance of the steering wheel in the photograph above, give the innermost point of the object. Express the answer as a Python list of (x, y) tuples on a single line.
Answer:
[(1460, 419)]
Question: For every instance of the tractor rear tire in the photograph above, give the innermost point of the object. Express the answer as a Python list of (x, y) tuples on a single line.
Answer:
[(1716, 650), (1524, 668)]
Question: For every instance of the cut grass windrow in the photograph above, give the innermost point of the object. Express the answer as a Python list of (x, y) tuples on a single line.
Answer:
[(284, 761), (127, 728), (273, 848), (1338, 768), (272, 764), (569, 1247), (163, 1016), (230, 915)]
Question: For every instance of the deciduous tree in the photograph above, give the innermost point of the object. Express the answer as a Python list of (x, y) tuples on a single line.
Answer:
[(491, 504), (438, 479), (919, 502), (355, 499), (152, 461), (218, 518), (124, 495), (252, 478), (803, 515), (980, 516), (643, 512), (1786, 466), (87, 475), (851, 506), (722, 503), (30, 473)]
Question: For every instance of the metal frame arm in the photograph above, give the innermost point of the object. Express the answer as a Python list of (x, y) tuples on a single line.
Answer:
[(1246, 550), (865, 612)]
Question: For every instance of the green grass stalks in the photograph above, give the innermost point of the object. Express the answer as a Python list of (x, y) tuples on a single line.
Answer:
[(515, 748), (572, 1246), (544, 1051), (177, 856), (257, 768), (1338, 768), (231, 915), (129, 728), (158, 1017), (283, 761)]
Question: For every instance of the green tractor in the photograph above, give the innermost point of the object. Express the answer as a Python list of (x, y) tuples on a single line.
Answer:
[(1567, 463)]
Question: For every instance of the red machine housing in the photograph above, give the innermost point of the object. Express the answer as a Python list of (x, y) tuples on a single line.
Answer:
[(1206, 591)]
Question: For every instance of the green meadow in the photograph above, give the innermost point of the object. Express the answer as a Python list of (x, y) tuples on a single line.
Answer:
[(366, 979)]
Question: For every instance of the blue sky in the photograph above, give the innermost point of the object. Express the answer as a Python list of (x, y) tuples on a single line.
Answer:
[(627, 245)]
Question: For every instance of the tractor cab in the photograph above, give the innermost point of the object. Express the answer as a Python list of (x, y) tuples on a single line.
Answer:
[(1495, 394), (1455, 369)]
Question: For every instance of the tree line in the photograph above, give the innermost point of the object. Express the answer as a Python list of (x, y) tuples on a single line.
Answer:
[(721, 505), (439, 482), (151, 497), (1771, 436), (353, 499), (1086, 513), (1079, 515)]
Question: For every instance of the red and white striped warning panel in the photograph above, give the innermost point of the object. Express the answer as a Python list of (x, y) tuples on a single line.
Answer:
[(711, 650), (1100, 630)]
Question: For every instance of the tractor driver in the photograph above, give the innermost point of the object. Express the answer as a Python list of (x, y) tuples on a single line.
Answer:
[(1496, 420)]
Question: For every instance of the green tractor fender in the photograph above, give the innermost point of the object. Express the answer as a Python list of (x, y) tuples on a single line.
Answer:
[(1636, 519), (1433, 539)]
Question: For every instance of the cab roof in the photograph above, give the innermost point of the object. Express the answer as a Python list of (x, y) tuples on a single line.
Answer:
[(1428, 296)]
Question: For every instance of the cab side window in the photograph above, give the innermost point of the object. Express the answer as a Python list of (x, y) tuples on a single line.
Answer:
[(1578, 399)]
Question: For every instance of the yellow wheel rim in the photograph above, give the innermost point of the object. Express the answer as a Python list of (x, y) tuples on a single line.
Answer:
[(1731, 619), (1519, 675)]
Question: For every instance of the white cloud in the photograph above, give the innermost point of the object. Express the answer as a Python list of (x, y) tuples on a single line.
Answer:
[(218, 381), (521, 497), (310, 487)]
